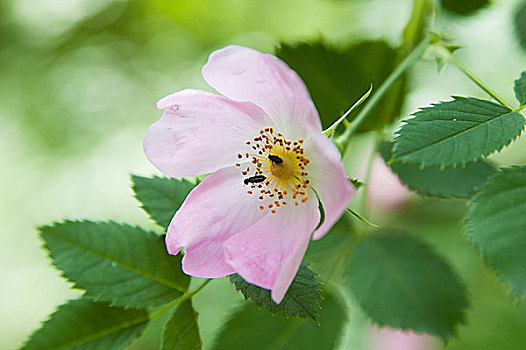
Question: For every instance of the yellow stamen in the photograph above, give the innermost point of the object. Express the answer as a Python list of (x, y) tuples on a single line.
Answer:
[(283, 166)]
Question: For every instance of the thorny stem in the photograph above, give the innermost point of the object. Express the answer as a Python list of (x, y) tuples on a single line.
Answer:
[(376, 97), (176, 302), (477, 81)]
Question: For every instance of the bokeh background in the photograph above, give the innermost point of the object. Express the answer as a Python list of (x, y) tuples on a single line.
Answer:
[(78, 84)]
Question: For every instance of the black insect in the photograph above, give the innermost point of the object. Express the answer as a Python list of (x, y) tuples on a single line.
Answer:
[(275, 159), (255, 179)]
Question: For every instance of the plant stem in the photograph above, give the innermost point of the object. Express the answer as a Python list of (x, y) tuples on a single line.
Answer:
[(376, 97), (415, 26), (331, 129), (412, 32), (198, 289), (185, 296), (477, 81)]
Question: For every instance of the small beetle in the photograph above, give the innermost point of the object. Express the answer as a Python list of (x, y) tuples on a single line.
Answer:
[(255, 179), (275, 159)]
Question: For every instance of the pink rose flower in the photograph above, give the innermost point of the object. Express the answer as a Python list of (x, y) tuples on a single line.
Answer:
[(263, 143)]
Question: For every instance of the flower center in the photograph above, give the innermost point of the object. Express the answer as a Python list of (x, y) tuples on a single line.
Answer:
[(275, 170)]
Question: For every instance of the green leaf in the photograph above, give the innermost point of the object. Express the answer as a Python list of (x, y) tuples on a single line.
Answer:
[(120, 264), (464, 7), (336, 78), (401, 283), (250, 328), (496, 223), (324, 254), (520, 89), (181, 331), (86, 325), (301, 300), (460, 182), (161, 197), (456, 133)]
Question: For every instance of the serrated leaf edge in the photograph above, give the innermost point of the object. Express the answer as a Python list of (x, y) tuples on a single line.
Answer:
[(133, 178), (442, 165), (314, 317), (186, 330), (261, 305), (93, 336), (516, 87), (468, 226), (138, 271), (438, 195)]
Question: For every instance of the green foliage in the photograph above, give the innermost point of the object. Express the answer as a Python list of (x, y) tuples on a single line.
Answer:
[(86, 325), (464, 7), (324, 253), (520, 89), (181, 332), (161, 196), (456, 133), (115, 263), (497, 224), (301, 300), (249, 328), (401, 283), (336, 78), (494, 321), (460, 182)]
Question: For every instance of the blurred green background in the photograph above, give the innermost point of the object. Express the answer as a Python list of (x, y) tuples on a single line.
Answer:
[(78, 84)]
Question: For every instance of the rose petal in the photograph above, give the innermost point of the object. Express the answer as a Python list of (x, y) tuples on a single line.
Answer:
[(269, 253), (289, 270), (206, 259), (245, 74), (201, 132), (328, 178), (217, 208)]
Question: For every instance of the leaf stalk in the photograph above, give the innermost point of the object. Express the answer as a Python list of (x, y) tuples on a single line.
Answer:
[(479, 82), (176, 302)]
